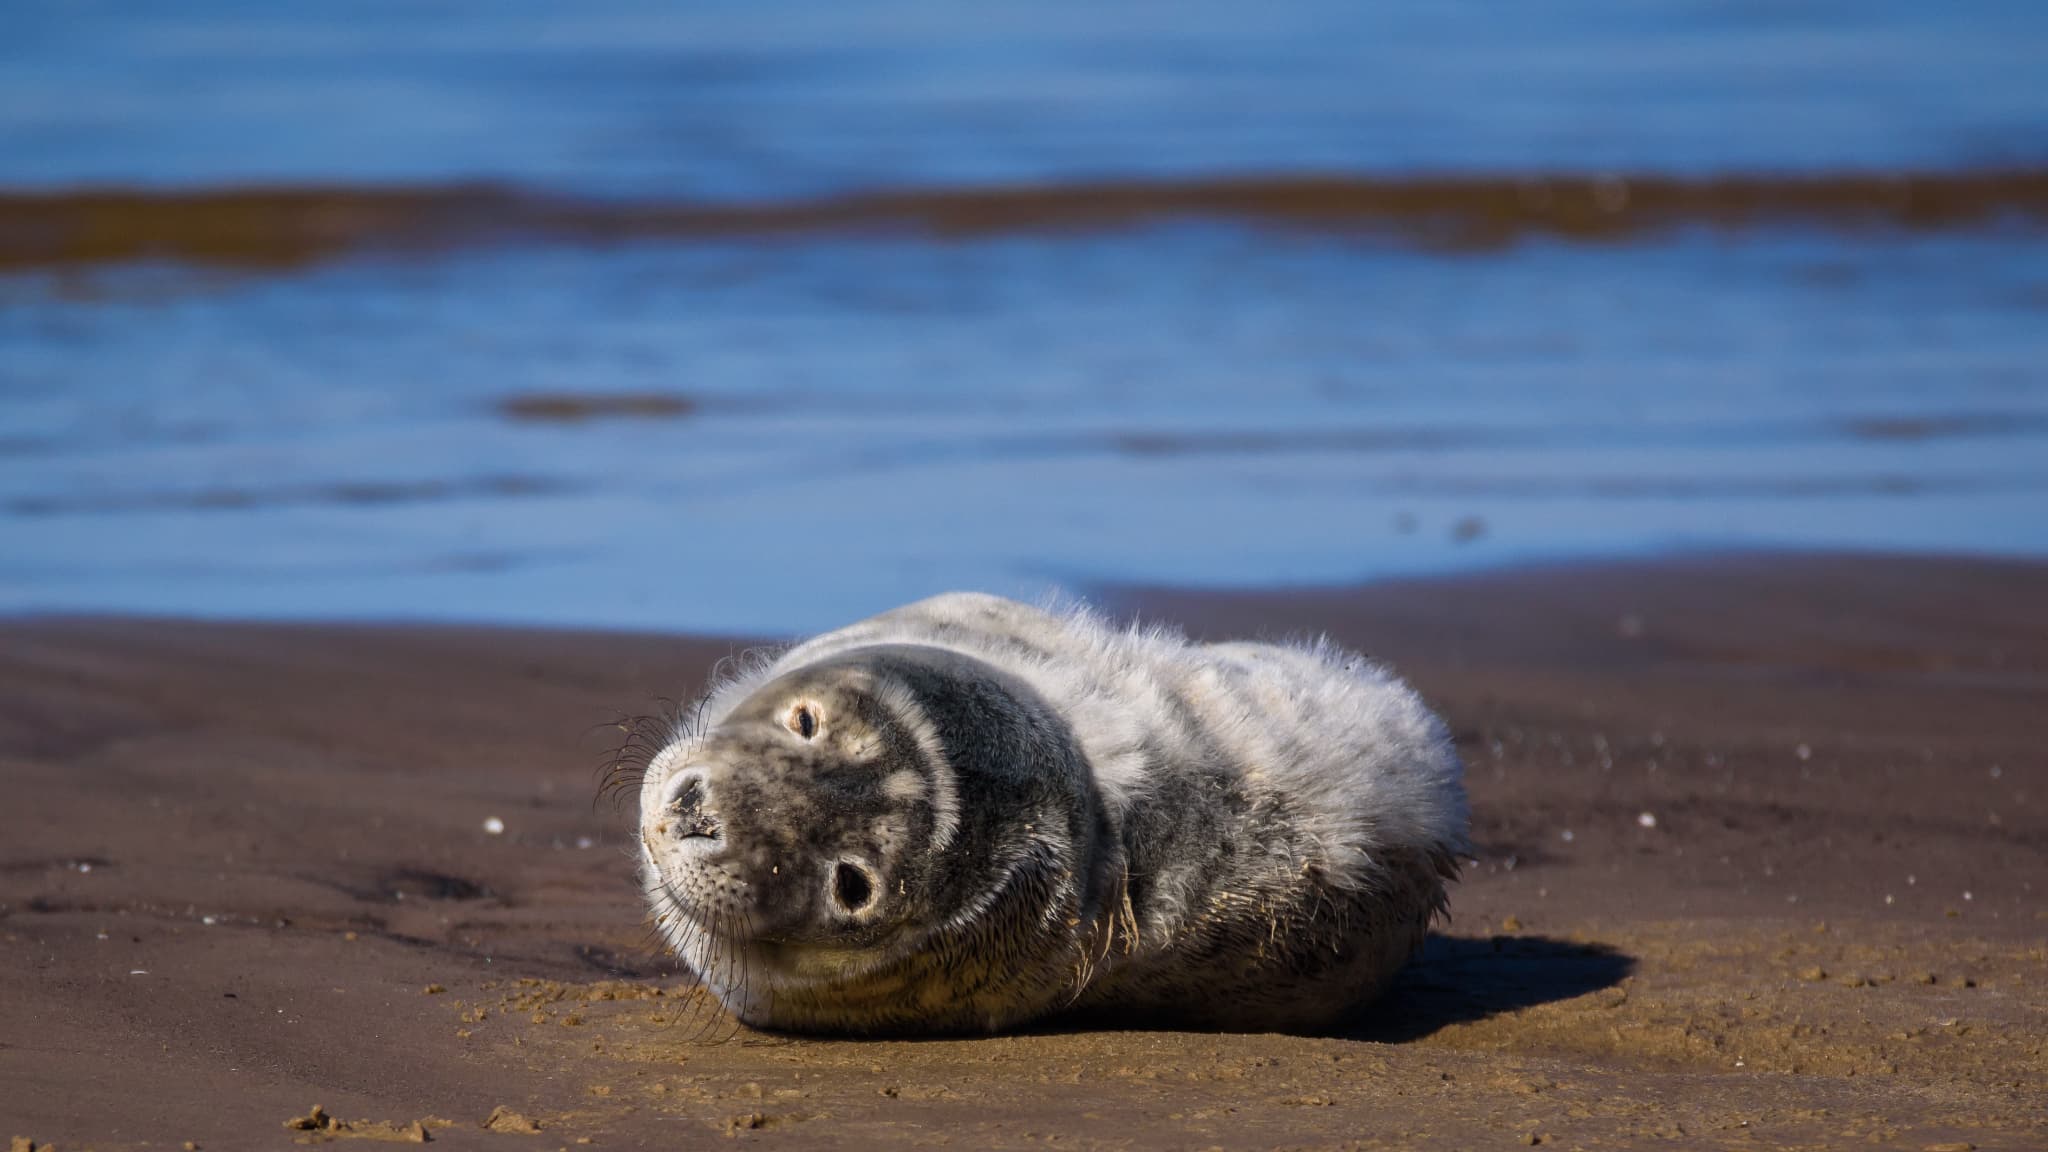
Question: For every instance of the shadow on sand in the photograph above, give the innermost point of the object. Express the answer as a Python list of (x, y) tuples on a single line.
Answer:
[(1457, 980), (1454, 980)]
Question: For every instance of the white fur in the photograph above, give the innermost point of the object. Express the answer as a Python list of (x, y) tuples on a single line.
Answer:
[(1364, 762)]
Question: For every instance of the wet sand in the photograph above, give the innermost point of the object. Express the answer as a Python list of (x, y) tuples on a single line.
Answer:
[(1761, 844)]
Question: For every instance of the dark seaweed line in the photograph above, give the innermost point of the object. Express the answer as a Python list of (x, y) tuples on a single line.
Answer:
[(286, 226)]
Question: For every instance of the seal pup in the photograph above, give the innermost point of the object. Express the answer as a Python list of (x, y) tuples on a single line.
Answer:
[(969, 813)]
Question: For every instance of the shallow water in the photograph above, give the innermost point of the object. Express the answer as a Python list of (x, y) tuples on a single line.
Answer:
[(786, 434), (782, 431)]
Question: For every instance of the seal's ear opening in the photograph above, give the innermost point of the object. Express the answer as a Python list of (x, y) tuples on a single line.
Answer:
[(852, 888)]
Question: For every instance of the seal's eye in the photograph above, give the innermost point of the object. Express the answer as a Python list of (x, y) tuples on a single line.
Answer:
[(803, 721)]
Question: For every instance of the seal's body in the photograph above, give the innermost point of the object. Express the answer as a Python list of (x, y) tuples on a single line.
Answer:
[(969, 813)]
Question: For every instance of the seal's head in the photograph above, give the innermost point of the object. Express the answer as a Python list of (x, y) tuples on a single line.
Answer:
[(875, 841)]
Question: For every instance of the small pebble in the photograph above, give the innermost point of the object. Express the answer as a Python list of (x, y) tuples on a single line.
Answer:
[(1566, 835), (494, 826), (1647, 820)]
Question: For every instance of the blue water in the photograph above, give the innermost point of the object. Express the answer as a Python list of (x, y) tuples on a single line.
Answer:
[(879, 420), (787, 97), (818, 426)]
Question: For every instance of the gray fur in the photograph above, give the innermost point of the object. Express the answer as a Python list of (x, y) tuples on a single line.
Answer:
[(1052, 814)]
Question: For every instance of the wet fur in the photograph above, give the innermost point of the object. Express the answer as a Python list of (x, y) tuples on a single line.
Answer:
[(1136, 827)]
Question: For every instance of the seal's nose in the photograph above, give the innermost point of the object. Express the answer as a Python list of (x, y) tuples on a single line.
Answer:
[(686, 812)]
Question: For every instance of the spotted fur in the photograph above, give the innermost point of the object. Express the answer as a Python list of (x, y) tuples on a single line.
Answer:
[(1056, 815)]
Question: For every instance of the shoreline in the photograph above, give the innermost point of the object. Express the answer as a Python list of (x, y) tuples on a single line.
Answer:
[(245, 854)]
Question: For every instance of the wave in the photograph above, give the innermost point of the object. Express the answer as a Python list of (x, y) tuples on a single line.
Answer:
[(287, 226)]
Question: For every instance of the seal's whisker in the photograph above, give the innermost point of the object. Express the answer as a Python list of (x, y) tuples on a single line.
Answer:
[(622, 767), (726, 949), (681, 934), (703, 1010)]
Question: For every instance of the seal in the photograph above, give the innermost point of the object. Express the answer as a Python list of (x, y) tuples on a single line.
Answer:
[(970, 813)]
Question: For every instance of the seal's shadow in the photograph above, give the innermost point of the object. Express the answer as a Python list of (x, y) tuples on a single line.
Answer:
[(1460, 979), (1454, 980)]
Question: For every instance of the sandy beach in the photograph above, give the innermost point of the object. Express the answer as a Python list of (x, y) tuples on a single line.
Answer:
[(1760, 849)]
